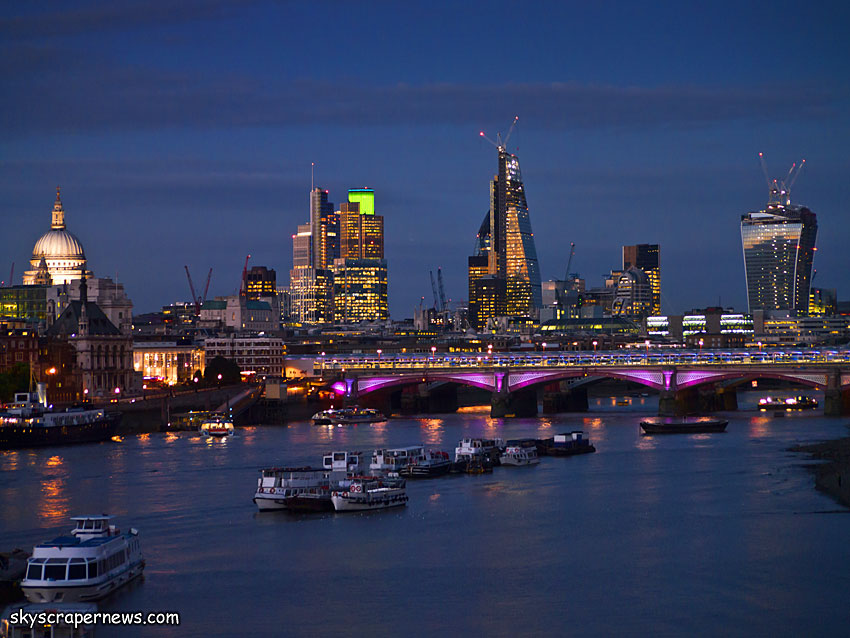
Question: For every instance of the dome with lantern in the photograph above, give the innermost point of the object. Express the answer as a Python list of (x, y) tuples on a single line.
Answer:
[(59, 250)]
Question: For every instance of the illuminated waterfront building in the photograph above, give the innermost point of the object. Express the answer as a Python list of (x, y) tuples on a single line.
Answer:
[(258, 356), (647, 257), (167, 362), (508, 244), (779, 245), (360, 290), (59, 251)]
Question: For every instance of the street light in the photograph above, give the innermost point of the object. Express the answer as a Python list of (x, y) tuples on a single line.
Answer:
[(646, 343), (595, 343), (759, 346), (219, 380), (379, 353), (701, 342)]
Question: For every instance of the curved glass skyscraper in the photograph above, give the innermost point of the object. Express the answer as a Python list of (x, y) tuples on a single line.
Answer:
[(779, 245)]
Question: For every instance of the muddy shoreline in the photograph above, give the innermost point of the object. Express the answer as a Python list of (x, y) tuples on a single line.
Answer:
[(833, 475)]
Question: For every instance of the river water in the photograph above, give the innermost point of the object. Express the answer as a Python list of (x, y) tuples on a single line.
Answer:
[(716, 534)]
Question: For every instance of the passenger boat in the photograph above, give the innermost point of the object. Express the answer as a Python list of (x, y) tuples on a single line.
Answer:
[(370, 493), (388, 461), (28, 423), (95, 560), (489, 449), (683, 425), (567, 444), (217, 427), (791, 403), (348, 416), (425, 463), (520, 453), (63, 626), (293, 488)]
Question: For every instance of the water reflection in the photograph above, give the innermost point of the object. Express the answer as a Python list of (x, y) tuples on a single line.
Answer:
[(432, 431)]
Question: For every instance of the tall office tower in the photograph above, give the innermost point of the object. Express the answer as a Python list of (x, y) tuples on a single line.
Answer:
[(360, 272), (314, 249), (512, 256), (647, 257), (360, 290), (324, 227), (779, 245), (260, 282), (478, 267)]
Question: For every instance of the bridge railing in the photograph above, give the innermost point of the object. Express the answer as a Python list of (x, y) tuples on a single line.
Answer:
[(581, 359)]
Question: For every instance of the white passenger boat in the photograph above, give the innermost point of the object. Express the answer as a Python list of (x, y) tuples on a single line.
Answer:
[(520, 455), (388, 461), (64, 622), (293, 488), (370, 493), (93, 561), (348, 416), (217, 427)]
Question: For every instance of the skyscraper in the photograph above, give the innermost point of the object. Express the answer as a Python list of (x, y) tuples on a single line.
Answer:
[(647, 257), (779, 245), (360, 271), (509, 247), (314, 249)]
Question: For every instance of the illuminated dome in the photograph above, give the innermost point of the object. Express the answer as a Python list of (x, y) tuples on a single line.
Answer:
[(60, 250), (58, 243)]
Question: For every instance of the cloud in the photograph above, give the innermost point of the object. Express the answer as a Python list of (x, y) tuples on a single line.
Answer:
[(114, 17), (101, 97)]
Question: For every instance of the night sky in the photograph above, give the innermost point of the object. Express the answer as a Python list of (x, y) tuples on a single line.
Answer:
[(183, 132)]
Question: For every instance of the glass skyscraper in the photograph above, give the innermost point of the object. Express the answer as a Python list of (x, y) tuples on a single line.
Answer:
[(507, 241), (779, 245)]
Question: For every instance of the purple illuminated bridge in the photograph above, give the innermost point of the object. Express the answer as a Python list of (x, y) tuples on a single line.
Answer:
[(669, 372)]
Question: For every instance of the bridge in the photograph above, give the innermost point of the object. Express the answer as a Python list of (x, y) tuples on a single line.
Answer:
[(680, 377)]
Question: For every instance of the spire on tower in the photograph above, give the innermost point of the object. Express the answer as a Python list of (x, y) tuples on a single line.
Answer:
[(58, 212)]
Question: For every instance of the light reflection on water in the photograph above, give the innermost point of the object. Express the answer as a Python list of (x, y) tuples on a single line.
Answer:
[(687, 534)]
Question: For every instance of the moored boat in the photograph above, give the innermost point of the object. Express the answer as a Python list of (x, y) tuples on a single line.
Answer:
[(294, 489), (520, 453), (790, 403), (488, 449), (217, 427), (425, 463), (370, 493), (566, 444), (95, 560), (683, 425), (67, 620), (28, 423), (348, 416)]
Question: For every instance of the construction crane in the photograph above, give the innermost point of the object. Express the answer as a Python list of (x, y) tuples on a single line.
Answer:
[(198, 300), (206, 288), (570, 260), (243, 285), (443, 305), (434, 290), (782, 188), (499, 143)]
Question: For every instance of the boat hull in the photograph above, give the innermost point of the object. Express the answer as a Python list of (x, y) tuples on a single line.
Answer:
[(520, 462), (364, 503), (683, 427), (84, 593), (425, 471), (20, 436)]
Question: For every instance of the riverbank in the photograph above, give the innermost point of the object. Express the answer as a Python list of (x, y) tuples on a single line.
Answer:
[(832, 476)]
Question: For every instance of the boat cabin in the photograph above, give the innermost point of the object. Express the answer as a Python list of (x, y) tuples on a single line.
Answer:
[(347, 462)]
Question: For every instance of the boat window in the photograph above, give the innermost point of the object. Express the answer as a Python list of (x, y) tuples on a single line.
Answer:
[(54, 572), (76, 572), (339, 456), (34, 572), (93, 569)]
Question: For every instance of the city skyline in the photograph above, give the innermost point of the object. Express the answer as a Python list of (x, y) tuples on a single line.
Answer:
[(612, 156)]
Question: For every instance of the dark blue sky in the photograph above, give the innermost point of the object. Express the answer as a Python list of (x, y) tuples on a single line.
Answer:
[(185, 135)]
